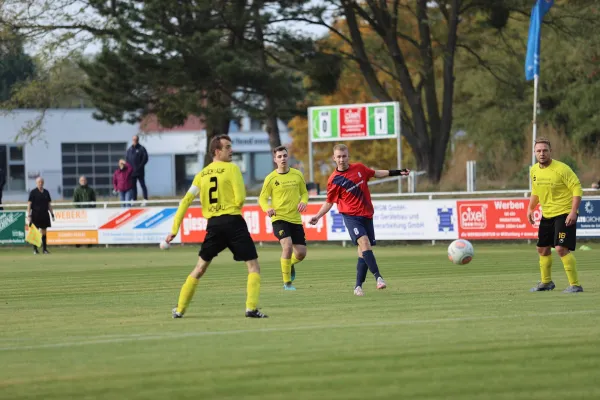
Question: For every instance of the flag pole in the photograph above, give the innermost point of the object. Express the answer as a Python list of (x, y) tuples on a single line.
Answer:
[(535, 101), (534, 133)]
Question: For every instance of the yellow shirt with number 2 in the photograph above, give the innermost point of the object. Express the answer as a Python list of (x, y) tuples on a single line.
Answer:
[(220, 186)]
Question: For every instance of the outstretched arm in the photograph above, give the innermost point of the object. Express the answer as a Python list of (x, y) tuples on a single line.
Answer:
[(382, 173)]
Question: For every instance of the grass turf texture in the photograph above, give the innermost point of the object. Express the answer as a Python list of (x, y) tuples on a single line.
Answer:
[(96, 324)]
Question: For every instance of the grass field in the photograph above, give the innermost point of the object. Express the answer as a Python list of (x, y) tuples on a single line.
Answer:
[(96, 324)]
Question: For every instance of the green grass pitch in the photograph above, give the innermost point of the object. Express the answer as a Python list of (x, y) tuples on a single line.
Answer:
[(96, 324)]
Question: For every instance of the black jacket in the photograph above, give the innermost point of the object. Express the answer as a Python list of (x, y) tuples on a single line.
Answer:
[(137, 157), (2, 178)]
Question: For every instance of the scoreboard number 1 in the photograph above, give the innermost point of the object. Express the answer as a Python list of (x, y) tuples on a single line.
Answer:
[(381, 122)]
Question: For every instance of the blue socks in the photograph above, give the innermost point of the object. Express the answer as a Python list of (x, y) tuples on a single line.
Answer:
[(369, 258), (361, 271)]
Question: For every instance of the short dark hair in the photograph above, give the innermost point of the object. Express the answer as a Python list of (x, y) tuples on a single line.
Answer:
[(215, 143), (280, 148)]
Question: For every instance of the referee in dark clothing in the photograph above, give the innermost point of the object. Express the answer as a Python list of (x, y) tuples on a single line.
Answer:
[(39, 209)]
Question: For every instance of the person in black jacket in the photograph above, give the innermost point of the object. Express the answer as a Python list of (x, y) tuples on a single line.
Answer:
[(2, 183), (39, 209), (137, 157)]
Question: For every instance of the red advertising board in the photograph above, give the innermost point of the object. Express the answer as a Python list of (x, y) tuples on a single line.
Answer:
[(193, 226), (353, 121), (496, 219)]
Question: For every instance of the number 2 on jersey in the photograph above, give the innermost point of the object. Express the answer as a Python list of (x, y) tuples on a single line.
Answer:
[(213, 190)]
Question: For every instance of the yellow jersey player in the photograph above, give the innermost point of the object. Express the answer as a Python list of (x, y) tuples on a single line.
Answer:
[(558, 190), (287, 189), (220, 186)]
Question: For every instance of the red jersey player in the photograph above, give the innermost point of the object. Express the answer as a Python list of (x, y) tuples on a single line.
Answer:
[(347, 186)]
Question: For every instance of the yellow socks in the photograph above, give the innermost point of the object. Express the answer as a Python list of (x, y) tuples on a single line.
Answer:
[(546, 268), (570, 265), (253, 291), (186, 294), (294, 259), (286, 269)]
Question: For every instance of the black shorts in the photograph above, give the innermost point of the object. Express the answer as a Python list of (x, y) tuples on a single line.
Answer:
[(228, 231), (553, 232), (283, 229), (41, 220)]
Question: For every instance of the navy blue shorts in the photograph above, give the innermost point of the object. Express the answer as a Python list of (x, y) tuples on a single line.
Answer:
[(360, 226)]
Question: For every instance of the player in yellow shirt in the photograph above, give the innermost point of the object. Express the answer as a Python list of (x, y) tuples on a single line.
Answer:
[(558, 190), (287, 189), (220, 186)]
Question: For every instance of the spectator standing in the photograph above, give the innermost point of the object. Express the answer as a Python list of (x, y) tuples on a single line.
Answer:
[(84, 194), (123, 183), (137, 157), (39, 209)]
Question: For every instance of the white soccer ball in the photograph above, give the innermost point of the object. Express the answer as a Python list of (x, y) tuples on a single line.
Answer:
[(461, 252), (164, 245)]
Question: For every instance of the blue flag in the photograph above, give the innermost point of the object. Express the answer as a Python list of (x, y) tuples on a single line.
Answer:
[(532, 60)]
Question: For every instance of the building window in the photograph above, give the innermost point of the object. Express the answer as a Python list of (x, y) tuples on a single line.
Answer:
[(12, 165), (97, 161)]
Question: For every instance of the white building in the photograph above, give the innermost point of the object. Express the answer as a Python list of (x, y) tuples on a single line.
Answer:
[(72, 144)]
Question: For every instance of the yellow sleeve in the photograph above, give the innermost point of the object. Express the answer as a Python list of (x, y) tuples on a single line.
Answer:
[(185, 203), (239, 189), (265, 193), (572, 182), (533, 186), (303, 191)]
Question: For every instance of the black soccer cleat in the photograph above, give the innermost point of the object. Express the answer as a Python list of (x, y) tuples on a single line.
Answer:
[(46, 252), (543, 287), (255, 314)]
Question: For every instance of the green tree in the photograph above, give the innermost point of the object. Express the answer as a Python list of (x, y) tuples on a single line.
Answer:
[(416, 46), (15, 65), (494, 103)]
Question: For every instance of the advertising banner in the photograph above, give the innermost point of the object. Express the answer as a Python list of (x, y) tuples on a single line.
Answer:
[(496, 219), (74, 226), (404, 220), (135, 225), (193, 227), (588, 222), (12, 227)]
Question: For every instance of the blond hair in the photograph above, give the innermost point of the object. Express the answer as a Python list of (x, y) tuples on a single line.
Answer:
[(341, 147), (543, 140)]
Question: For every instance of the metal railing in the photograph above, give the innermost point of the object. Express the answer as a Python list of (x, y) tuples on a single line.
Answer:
[(594, 193)]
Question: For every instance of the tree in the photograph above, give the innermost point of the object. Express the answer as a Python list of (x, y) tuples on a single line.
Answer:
[(15, 65), (493, 102), (417, 42), (214, 59), (351, 88)]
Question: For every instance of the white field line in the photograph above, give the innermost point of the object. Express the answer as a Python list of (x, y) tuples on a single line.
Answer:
[(168, 336)]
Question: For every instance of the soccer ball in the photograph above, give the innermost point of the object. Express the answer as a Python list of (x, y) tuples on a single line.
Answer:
[(460, 252), (164, 245)]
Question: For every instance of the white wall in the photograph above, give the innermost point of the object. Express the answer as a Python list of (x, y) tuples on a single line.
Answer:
[(43, 155)]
